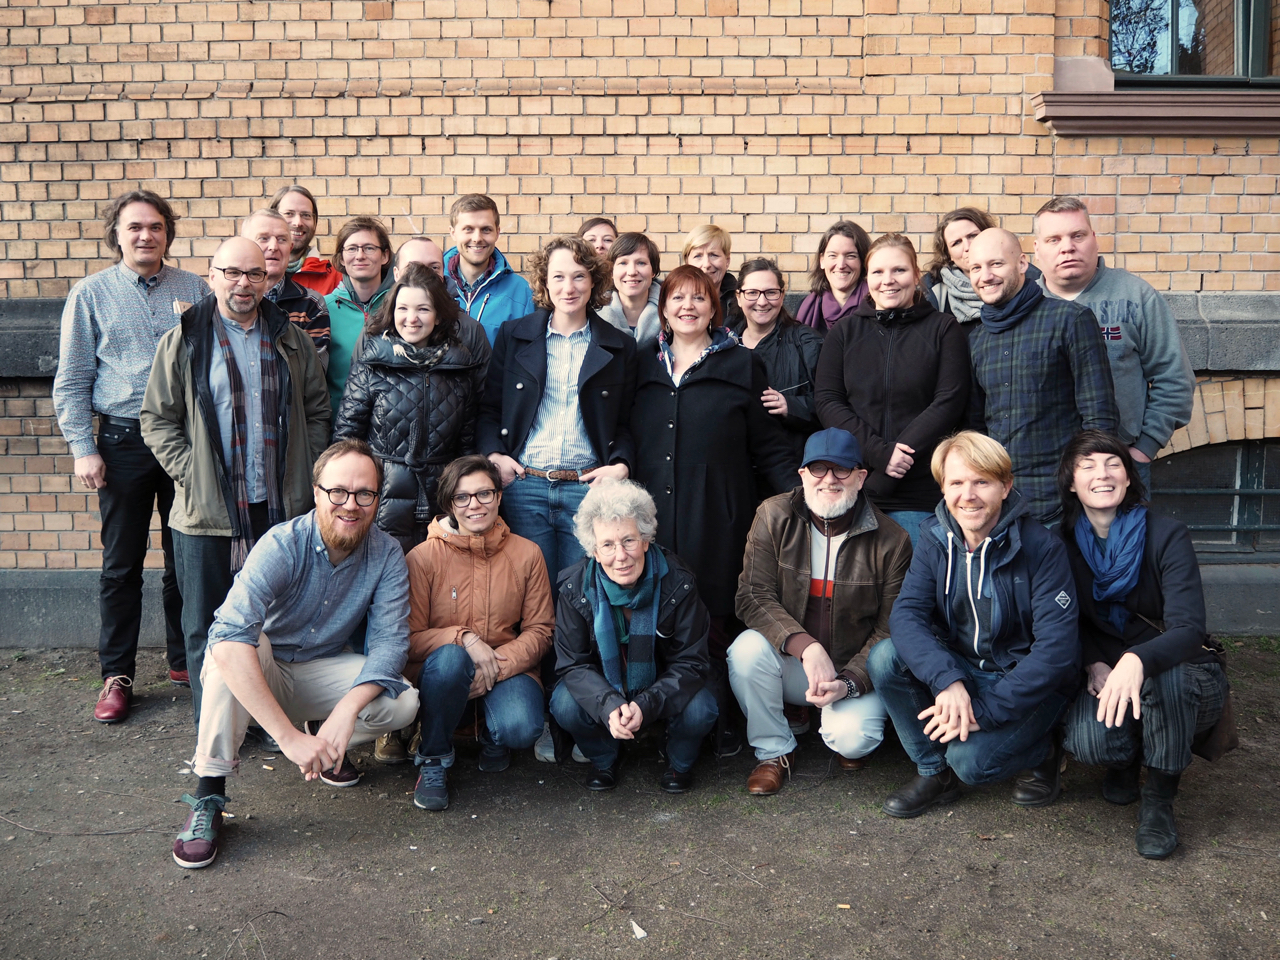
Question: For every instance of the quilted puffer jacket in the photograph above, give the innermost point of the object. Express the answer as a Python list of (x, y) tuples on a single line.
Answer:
[(416, 420)]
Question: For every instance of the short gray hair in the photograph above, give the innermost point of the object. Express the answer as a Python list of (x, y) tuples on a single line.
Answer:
[(611, 500), (1060, 205)]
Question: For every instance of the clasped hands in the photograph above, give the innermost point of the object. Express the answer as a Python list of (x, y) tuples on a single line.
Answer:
[(951, 716)]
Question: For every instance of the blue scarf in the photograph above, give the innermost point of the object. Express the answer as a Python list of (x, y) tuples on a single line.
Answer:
[(1001, 318), (1115, 562), (607, 600)]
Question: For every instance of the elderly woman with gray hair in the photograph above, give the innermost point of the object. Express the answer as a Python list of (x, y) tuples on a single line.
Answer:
[(630, 640)]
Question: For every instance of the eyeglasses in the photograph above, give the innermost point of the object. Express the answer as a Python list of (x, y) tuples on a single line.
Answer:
[(368, 249), (338, 496), (482, 496), (233, 274), (770, 296), (820, 469), (609, 547)]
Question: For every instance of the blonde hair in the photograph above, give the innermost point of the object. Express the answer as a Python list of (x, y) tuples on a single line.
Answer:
[(705, 235), (980, 452)]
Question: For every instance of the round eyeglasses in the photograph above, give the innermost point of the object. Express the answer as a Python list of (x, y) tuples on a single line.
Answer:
[(819, 470), (338, 496)]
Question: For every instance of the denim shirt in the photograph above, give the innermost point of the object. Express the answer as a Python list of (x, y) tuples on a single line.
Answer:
[(309, 608)]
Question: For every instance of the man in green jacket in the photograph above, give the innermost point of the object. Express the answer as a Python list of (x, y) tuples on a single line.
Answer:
[(236, 412)]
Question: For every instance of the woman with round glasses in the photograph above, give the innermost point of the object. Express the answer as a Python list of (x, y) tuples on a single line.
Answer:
[(788, 349), (480, 621), (837, 281), (895, 374), (413, 394)]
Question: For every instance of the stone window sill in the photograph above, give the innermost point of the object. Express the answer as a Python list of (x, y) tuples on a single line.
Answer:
[(1160, 113)]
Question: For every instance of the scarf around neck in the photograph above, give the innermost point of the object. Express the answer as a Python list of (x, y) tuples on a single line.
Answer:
[(608, 600), (1001, 318), (963, 301), (721, 339), (1115, 562)]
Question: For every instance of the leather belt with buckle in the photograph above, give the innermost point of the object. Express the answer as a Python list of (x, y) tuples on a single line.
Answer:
[(556, 474), (124, 422)]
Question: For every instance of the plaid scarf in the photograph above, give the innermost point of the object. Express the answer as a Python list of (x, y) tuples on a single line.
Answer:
[(270, 361), (607, 601)]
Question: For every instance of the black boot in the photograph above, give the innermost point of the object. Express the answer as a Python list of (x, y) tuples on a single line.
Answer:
[(1120, 785), (1157, 835), (1040, 786), (921, 794)]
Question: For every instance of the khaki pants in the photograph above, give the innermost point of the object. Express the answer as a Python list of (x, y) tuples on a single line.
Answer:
[(305, 691)]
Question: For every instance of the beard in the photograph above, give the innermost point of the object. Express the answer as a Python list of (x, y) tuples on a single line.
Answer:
[(831, 509), (339, 539)]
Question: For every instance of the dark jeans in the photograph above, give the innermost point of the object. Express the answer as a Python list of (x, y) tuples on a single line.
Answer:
[(684, 731), (135, 483), (986, 756), (204, 575), (542, 510), (1177, 705), (512, 709)]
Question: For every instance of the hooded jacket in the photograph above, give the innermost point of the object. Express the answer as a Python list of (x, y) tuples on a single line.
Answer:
[(317, 274), (503, 296), (415, 420), (774, 588), (1022, 622), (680, 646), (180, 421), (347, 321), (895, 377), (495, 586)]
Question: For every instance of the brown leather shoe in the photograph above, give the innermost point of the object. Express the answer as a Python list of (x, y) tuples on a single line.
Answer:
[(113, 701), (766, 779), (851, 763)]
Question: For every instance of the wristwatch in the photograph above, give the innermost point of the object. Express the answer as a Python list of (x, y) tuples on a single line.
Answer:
[(851, 688)]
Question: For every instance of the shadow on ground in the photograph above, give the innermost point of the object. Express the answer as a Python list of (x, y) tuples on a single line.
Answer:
[(527, 864)]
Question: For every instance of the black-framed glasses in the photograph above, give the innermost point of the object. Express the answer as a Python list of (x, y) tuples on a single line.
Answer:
[(368, 249), (233, 274), (339, 495), (482, 496), (819, 470), (770, 296)]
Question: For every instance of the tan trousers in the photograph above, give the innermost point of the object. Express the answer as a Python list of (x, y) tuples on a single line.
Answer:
[(305, 691)]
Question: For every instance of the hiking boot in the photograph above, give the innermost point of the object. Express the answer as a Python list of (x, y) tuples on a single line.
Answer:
[(197, 844)]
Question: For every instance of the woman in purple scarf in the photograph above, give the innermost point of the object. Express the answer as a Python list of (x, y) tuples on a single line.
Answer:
[(838, 280)]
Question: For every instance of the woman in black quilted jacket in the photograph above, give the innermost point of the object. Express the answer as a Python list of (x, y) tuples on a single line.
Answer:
[(413, 392)]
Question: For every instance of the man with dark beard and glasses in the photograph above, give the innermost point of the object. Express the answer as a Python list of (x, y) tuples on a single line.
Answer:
[(821, 571), (278, 645)]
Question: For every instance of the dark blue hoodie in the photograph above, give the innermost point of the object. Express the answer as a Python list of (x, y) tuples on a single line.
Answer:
[(1008, 607)]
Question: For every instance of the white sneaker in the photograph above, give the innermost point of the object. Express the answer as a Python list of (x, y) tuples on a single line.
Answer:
[(543, 748), (579, 756)]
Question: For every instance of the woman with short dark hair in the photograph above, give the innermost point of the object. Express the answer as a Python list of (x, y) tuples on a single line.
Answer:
[(1155, 682), (413, 394)]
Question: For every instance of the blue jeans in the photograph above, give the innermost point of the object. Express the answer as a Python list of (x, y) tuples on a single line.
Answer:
[(910, 520), (987, 755), (512, 709), (542, 510), (684, 731)]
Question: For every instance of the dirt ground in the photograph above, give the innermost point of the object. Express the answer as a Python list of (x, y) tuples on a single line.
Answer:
[(528, 864)]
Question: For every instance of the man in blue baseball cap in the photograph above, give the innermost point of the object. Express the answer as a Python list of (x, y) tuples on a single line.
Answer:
[(822, 568)]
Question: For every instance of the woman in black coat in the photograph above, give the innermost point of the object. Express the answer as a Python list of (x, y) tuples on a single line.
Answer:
[(789, 350), (895, 374), (1156, 688), (412, 394)]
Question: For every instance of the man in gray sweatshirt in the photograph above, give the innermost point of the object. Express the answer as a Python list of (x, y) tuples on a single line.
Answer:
[(1152, 376)]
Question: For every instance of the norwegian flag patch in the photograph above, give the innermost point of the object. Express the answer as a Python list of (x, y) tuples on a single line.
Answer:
[(1064, 601)]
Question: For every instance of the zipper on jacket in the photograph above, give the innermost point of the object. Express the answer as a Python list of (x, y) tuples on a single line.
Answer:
[(888, 389), (483, 304)]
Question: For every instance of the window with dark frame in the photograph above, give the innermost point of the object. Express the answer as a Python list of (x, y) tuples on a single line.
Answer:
[(1178, 40)]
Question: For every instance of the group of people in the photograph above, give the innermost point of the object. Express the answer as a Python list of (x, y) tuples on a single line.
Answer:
[(418, 493)]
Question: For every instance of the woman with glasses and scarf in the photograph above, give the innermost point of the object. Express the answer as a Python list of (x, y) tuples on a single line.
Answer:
[(1156, 689), (895, 374), (789, 349), (630, 640), (413, 395)]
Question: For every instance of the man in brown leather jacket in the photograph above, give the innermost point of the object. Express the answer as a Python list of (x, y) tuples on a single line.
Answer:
[(822, 568)]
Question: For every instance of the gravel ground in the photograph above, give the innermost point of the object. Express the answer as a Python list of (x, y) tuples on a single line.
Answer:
[(529, 864)]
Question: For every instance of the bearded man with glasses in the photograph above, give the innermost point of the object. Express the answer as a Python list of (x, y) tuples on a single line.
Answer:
[(480, 620), (822, 568), (236, 412)]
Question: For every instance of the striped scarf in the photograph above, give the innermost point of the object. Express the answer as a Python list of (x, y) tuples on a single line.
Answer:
[(271, 459)]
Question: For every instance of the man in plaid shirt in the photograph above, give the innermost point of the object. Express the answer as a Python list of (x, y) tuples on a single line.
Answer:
[(1040, 370)]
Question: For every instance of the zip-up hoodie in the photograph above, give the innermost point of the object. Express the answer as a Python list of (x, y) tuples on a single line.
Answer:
[(1008, 607), (503, 296)]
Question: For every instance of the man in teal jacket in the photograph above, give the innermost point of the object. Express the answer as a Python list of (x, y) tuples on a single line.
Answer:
[(487, 288)]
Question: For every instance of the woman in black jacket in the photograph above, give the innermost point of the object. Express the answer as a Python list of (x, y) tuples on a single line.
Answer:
[(788, 349), (1142, 633), (412, 394), (895, 374)]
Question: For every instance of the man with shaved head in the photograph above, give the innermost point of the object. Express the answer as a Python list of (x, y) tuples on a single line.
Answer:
[(302, 305), (235, 411), (1040, 370)]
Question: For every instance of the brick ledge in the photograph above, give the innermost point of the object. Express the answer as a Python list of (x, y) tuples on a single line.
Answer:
[(1190, 113)]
